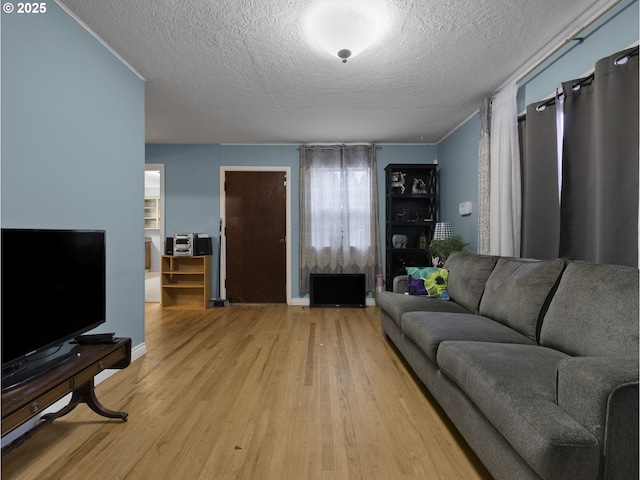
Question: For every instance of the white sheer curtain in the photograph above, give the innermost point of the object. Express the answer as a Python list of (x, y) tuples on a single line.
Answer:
[(338, 212), (505, 196)]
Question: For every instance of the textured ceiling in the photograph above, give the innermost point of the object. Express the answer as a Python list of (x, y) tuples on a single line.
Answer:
[(243, 71)]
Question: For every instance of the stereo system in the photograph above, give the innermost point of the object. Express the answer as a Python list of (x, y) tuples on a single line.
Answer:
[(189, 245), (183, 244)]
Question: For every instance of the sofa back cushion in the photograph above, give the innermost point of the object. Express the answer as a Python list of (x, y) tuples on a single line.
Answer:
[(594, 312), (518, 291), (468, 274)]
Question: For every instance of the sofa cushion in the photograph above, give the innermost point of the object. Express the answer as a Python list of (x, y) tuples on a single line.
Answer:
[(594, 312), (514, 387), (517, 290), (468, 274), (415, 286), (397, 304), (428, 330)]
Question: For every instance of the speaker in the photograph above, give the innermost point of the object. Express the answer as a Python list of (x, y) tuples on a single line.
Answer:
[(204, 246), (168, 246)]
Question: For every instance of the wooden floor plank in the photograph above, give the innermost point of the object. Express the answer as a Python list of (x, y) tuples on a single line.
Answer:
[(255, 392)]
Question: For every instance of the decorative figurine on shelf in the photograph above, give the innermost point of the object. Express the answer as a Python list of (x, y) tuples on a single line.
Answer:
[(422, 241), (400, 216), (419, 186), (399, 241), (397, 181)]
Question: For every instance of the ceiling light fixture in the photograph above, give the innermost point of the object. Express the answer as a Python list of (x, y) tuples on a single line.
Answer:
[(344, 29)]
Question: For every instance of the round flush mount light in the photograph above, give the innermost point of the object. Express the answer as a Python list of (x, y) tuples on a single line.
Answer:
[(345, 28)]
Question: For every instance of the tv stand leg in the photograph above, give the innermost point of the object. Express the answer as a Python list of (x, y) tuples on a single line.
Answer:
[(85, 394), (96, 406)]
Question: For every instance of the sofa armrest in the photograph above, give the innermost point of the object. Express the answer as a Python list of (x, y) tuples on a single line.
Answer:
[(400, 284), (602, 394)]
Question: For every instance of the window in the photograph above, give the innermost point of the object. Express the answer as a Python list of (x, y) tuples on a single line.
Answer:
[(341, 207), (339, 212)]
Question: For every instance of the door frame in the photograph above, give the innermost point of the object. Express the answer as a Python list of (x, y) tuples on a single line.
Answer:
[(223, 238)]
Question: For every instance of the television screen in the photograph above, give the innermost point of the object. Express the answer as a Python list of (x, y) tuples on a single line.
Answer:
[(337, 290), (53, 289)]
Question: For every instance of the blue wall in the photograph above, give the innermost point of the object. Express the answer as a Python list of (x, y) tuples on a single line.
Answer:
[(458, 172), (73, 149), (617, 30), (190, 173)]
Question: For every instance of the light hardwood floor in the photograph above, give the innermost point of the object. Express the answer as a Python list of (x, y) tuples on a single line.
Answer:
[(255, 392)]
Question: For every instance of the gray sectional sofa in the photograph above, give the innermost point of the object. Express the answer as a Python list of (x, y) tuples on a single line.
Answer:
[(534, 361)]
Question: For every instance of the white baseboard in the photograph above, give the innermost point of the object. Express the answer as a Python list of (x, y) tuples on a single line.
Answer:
[(136, 352), (299, 302)]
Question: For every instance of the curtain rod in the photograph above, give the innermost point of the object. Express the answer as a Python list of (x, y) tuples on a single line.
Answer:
[(573, 37), (631, 52), (339, 145)]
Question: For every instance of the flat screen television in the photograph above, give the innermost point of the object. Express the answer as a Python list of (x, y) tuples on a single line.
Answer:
[(53, 288), (345, 290)]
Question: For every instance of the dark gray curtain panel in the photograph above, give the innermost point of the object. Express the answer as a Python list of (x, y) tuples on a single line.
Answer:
[(599, 202), (540, 196)]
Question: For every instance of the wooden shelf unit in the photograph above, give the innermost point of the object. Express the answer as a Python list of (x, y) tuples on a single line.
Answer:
[(186, 281), (151, 213)]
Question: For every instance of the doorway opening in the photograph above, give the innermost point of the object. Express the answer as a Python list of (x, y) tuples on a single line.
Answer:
[(153, 229)]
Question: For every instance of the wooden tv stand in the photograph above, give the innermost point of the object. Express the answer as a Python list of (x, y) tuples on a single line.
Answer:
[(73, 376)]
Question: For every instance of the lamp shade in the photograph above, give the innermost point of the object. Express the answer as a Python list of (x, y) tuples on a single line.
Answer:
[(443, 231), (344, 28)]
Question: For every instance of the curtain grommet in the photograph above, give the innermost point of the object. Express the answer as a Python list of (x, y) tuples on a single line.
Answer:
[(622, 60)]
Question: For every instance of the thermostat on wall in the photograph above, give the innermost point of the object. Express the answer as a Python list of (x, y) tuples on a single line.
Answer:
[(465, 208)]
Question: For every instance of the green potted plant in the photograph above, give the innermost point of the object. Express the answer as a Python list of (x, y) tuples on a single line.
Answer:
[(441, 249)]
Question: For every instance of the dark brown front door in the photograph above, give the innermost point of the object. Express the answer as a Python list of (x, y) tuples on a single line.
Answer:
[(255, 218)]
